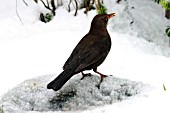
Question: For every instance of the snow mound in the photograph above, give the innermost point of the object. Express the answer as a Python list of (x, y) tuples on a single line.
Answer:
[(32, 95), (143, 22)]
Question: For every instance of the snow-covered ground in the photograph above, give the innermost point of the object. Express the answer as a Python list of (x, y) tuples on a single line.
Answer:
[(35, 52)]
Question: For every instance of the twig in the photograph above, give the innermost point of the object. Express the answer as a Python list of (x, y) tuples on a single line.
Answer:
[(69, 9), (87, 5), (118, 1), (53, 5), (17, 12), (93, 1), (99, 4), (76, 7), (48, 3), (96, 5), (48, 6), (25, 3), (36, 1), (45, 5)]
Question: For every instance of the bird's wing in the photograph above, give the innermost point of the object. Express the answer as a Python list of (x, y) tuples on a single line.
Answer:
[(77, 50), (87, 52), (89, 58)]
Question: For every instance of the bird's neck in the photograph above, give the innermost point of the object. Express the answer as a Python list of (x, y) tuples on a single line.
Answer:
[(99, 31)]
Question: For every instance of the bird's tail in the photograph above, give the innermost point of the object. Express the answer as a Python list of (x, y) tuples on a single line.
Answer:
[(58, 82)]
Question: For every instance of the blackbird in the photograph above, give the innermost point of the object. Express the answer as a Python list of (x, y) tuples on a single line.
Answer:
[(89, 53)]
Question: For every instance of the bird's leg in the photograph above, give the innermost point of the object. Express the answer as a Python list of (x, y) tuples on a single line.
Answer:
[(101, 75), (84, 75)]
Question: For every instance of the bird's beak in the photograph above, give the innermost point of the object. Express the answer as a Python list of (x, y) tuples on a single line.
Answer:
[(111, 15)]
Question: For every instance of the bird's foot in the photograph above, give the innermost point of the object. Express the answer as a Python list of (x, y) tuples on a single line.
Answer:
[(101, 80), (102, 77), (85, 75)]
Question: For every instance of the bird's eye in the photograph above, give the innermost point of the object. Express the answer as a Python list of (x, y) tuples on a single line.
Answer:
[(106, 18)]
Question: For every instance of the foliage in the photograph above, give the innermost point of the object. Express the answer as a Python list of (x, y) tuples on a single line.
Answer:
[(46, 17), (51, 7), (164, 87), (168, 31), (101, 9), (95, 4), (165, 3)]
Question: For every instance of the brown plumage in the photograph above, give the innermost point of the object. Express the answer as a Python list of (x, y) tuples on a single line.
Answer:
[(89, 53)]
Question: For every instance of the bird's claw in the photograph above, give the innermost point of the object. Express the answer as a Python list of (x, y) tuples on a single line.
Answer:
[(85, 75), (102, 77)]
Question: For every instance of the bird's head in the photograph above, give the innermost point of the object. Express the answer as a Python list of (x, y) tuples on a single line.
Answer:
[(101, 20)]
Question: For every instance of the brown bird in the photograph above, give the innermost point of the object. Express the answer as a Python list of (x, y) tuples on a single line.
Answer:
[(89, 53)]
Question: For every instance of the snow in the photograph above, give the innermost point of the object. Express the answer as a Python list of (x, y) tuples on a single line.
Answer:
[(32, 95), (143, 18), (34, 52)]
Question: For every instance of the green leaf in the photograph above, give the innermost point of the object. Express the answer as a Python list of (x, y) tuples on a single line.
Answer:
[(168, 31), (102, 9), (165, 4), (164, 87)]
